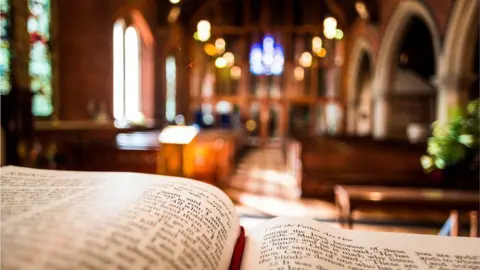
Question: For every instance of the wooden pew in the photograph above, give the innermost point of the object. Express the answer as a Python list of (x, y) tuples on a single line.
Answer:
[(474, 224), (91, 145), (351, 161), (351, 198), (131, 152)]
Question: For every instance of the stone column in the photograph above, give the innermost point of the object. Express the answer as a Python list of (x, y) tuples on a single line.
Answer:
[(452, 93), (381, 110), (351, 117)]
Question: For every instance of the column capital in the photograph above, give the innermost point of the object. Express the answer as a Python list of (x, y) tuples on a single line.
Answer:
[(383, 96), (454, 82)]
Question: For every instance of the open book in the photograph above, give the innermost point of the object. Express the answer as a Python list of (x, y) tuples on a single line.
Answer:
[(87, 220)]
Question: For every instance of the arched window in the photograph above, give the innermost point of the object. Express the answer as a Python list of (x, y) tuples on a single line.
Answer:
[(40, 68), (170, 106), (132, 74), (126, 72)]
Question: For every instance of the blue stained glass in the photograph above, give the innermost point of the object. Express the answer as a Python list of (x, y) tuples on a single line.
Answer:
[(40, 69), (5, 85), (268, 43), (266, 58)]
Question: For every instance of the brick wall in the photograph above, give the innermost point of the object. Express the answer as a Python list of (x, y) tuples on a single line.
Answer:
[(359, 29), (84, 48), (374, 32), (440, 10)]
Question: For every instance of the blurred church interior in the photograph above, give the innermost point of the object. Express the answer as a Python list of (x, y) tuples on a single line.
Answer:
[(316, 108)]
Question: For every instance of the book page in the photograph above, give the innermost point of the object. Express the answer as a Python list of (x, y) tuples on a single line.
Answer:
[(292, 243), (83, 220)]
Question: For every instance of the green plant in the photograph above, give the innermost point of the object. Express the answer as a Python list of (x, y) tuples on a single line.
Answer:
[(454, 142)]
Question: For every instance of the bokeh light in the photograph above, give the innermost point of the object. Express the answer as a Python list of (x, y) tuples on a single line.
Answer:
[(330, 27), (203, 30), (235, 73), (220, 45), (330, 23), (208, 119), (210, 49), (338, 34), (266, 58), (322, 53), (230, 58), (251, 125), (203, 36), (220, 62), (203, 26), (305, 59), (298, 73), (316, 44)]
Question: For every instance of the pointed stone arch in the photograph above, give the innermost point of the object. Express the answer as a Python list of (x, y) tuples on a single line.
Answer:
[(385, 64), (361, 48), (454, 72)]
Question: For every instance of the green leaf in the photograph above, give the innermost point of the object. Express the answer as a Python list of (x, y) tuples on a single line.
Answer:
[(440, 163), (450, 143), (433, 146), (473, 107), (466, 139), (427, 162)]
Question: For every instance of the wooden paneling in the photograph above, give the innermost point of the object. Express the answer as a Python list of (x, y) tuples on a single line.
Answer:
[(210, 157), (84, 48)]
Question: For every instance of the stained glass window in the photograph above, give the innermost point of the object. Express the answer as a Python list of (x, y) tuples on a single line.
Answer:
[(5, 85), (40, 69), (266, 58)]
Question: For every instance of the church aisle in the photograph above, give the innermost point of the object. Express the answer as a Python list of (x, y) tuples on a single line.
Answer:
[(264, 171), (263, 187)]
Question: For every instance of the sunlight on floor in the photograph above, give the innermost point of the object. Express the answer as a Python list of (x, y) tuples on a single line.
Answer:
[(280, 207), (264, 187), (265, 171)]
